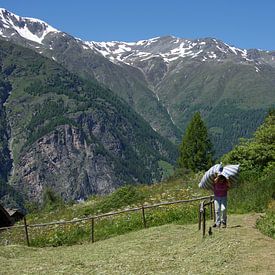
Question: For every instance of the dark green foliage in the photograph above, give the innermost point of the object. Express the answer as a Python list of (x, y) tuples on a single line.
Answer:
[(257, 159), (257, 152), (10, 196), (48, 127), (227, 124), (195, 150)]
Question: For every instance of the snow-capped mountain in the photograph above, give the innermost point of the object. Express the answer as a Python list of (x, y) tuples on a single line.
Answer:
[(168, 48), (31, 29), (164, 79)]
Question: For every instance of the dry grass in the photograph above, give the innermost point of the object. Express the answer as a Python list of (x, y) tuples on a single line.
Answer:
[(169, 249)]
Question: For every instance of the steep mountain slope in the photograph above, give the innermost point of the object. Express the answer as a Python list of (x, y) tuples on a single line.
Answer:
[(232, 98), (231, 87), (126, 81), (70, 134), (166, 79)]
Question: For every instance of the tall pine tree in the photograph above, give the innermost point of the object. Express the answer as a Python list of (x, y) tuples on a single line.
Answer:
[(196, 148)]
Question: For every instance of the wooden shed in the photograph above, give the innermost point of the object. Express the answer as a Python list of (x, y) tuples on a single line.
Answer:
[(5, 219), (15, 215)]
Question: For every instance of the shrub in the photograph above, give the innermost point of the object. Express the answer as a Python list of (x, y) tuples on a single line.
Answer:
[(51, 200)]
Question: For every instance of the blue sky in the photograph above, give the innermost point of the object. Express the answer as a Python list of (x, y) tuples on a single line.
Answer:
[(242, 23)]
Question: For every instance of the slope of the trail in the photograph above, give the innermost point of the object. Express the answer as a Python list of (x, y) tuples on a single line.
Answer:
[(169, 249)]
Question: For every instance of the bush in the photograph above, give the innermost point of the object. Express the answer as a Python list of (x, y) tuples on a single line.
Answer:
[(51, 200), (178, 214)]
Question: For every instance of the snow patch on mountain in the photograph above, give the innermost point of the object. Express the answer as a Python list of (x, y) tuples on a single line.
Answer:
[(29, 28), (169, 49)]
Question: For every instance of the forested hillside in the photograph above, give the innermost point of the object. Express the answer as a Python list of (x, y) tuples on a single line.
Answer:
[(70, 134)]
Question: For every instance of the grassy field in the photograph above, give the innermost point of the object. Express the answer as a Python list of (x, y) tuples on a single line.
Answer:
[(167, 249)]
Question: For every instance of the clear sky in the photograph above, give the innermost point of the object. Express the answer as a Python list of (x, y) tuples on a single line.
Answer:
[(242, 23)]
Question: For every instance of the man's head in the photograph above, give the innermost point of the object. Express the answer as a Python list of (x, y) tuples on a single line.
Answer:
[(221, 178)]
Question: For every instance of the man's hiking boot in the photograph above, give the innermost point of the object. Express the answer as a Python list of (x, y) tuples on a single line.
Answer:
[(216, 225), (223, 225)]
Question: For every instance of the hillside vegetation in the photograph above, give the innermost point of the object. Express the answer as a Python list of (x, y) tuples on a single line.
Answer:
[(255, 193), (172, 243), (250, 196)]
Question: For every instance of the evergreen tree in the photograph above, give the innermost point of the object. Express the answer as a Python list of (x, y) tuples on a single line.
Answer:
[(196, 148)]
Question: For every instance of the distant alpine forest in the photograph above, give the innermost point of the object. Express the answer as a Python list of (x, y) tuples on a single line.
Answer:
[(225, 133)]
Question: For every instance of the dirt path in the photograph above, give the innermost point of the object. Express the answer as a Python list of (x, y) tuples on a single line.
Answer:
[(255, 253)]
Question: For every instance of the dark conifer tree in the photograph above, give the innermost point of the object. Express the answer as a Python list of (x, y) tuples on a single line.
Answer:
[(196, 149)]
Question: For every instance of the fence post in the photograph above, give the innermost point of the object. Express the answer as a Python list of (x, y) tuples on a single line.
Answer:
[(26, 231), (143, 216), (93, 230), (201, 213)]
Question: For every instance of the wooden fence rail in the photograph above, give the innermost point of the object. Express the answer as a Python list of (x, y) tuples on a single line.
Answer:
[(93, 218)]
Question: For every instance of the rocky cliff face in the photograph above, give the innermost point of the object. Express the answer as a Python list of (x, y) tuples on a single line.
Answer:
[(66, 163)]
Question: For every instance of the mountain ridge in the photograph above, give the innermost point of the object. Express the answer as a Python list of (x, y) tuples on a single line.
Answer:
[(167, 79)]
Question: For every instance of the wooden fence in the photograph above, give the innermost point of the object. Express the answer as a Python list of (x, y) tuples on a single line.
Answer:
[(202, 216)]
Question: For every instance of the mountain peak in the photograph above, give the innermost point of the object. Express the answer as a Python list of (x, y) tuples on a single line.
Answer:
[(169, 49), (29, 28)]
